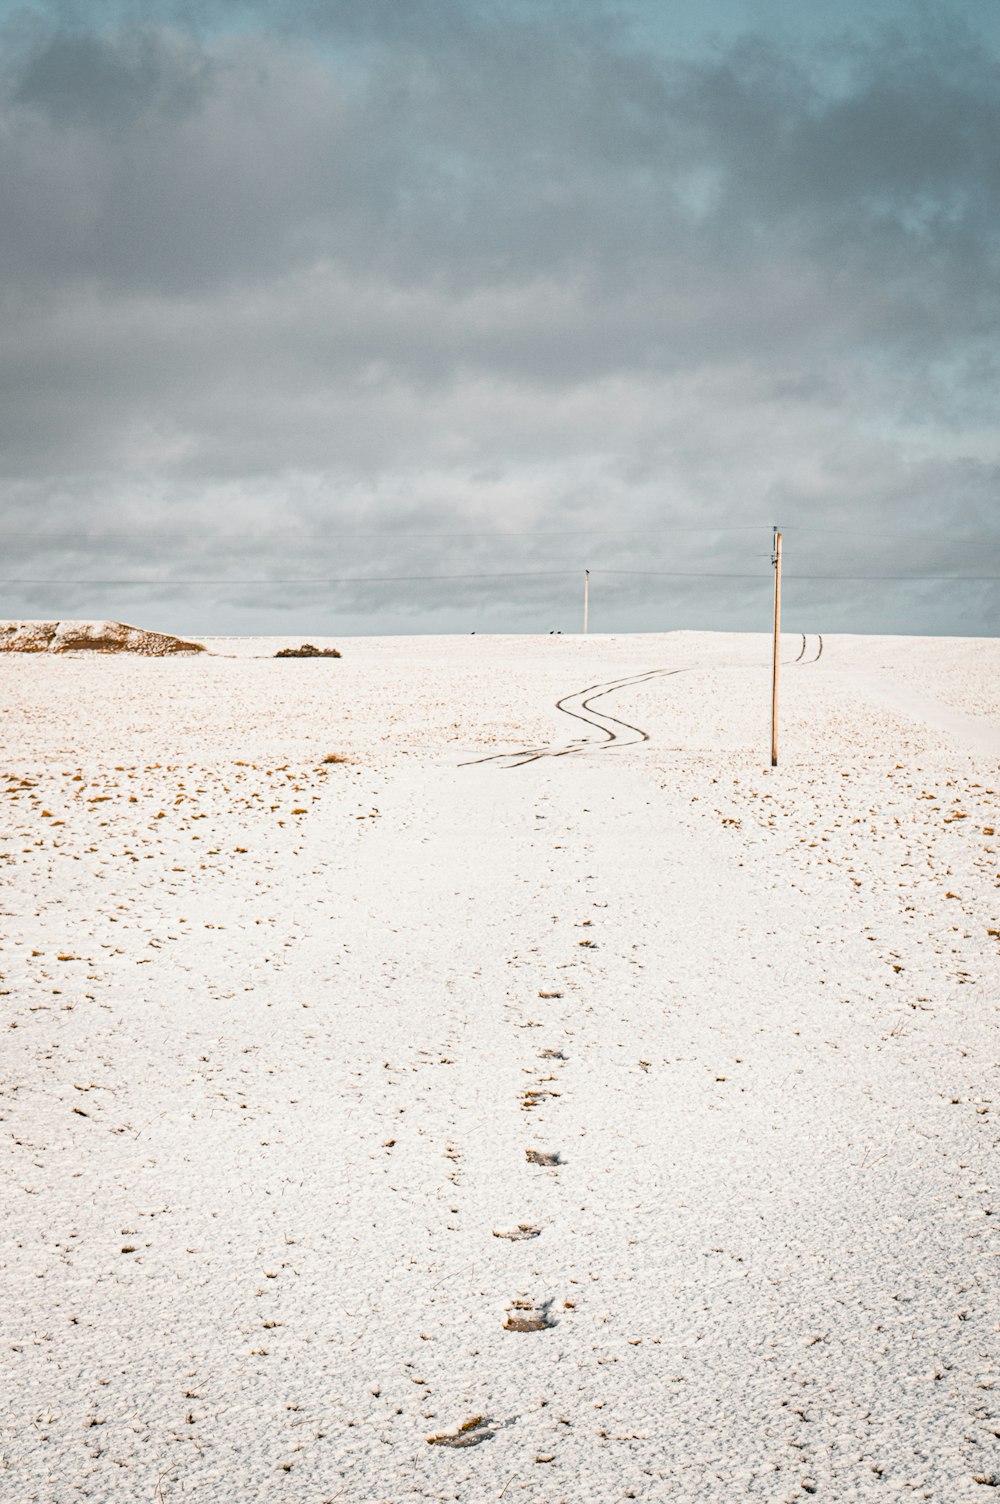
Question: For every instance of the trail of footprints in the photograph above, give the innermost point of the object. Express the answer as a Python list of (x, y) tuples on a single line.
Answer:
[(523, 1315)]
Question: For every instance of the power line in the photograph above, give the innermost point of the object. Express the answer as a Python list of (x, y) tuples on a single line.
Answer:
[(304, 535), (549, 574), (954, 579), (385, 579), (695, 575), (685, 574), (864, 532), (381, 579)]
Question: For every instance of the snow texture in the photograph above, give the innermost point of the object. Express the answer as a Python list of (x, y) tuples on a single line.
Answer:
[(610, 1120)]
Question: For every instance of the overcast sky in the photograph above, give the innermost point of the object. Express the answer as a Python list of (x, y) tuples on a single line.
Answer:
[(403, 288)]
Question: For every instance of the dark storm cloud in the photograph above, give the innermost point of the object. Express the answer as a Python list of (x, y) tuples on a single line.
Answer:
[(474, 268)]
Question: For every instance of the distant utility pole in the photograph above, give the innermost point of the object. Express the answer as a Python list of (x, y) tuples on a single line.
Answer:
[(586, 601), (776, 561)]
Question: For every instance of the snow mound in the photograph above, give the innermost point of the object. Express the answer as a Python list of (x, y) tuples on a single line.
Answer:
[(89, 637)]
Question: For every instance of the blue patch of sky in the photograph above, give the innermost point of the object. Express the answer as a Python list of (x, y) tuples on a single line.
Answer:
[(707, 24), (691, 27)]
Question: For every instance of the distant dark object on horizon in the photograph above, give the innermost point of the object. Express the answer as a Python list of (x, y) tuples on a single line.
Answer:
[(307, 651)]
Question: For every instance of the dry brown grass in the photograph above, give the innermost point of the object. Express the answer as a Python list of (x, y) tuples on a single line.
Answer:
[(307, 650)]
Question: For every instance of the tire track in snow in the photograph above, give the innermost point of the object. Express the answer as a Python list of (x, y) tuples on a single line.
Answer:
[(579, 705), (616, 732)]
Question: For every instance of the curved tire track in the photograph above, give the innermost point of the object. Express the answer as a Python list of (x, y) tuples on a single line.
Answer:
[(616, 732), (801, 658), (579, 705)]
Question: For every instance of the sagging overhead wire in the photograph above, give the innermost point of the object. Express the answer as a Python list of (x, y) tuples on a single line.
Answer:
[(537, 574)]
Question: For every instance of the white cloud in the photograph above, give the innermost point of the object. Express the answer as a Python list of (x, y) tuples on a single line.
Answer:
[(512, 275)]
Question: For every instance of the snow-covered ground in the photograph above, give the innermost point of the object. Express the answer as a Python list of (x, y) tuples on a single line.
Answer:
[(285, 1041)]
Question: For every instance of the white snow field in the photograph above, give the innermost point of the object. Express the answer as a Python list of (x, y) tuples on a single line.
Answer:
[(633, 1108)]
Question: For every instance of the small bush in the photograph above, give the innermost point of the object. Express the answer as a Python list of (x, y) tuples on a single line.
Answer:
[(307, 651)]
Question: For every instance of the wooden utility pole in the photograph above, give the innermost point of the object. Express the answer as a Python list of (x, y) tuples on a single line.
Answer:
[(776, 561), (586, 601)]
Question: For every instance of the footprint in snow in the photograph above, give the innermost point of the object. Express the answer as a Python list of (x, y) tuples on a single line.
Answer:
[(524, 1316), (469, 1434)]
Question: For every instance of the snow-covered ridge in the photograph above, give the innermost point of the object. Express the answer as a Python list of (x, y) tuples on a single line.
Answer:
[(89, 636)]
